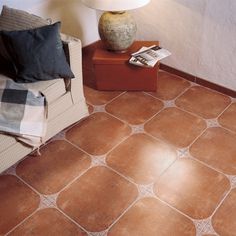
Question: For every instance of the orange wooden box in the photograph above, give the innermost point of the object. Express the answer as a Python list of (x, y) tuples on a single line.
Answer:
[(113, 71)]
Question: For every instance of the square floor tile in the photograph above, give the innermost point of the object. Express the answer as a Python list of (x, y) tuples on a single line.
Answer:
[(216, 147), (175, 126), (141, 158), (203, 102), (48, 222), (98, 133), (134, 107), (59, 163), (169, 86), (223, 220), (150, 217), (228, 118), (95, 97), (192, 188), (17, 201), (97, 198)]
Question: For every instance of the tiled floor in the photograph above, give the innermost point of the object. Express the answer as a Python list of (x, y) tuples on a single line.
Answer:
[(142, 164)]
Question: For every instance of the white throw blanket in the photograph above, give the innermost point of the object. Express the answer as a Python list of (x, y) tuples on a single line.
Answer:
[(23, 112)]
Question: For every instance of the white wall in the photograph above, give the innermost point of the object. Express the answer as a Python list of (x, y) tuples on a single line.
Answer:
[(77, 20), (201, 34)]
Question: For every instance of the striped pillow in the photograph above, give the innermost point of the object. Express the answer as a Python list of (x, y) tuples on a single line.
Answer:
[(14, 19)]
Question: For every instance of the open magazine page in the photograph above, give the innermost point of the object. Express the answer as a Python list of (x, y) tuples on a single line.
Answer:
[(149, 56)]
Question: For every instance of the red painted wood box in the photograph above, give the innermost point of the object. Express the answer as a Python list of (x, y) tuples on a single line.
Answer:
[(113, 71)]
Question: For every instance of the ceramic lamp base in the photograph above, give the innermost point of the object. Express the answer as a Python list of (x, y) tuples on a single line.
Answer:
[(117, 30)]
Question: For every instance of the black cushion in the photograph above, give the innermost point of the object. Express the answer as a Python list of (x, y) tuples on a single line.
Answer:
[(37, 54)]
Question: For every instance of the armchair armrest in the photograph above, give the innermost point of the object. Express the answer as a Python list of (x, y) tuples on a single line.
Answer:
[(72, 47)]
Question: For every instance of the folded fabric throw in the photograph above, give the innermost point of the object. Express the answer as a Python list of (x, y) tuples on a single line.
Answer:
[(23, 112)]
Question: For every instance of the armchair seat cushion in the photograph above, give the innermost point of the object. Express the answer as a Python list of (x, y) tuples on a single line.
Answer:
[(6, 141), (52, 89)]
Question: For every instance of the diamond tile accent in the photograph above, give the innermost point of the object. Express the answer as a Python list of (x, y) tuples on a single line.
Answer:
[(175, 126), (203, 102), (224, 219), (99, 160), (192, 188), (141, 158), (59, 163), (169, 86), (134, 107), (48, 201), (146, 191), (227, 119), (102, 233), (113, 195), (170, 103), (48, 222), (149, 217), (100, 108), (217, 148), (17, 201), (59, 136), (95, 97), (204, 226), (183, 153), (94, 135), (232, 179), (212, 123), (136, 129)]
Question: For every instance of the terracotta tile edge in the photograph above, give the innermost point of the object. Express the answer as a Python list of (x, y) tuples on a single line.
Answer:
[(198, 80)]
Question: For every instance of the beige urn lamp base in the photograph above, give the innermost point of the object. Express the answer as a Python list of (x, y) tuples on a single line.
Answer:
[(116, 27), (117, 30)]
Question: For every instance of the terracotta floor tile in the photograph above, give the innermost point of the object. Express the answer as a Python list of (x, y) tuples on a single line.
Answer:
[(17, 201), (48, 222), (150, 217), (169, 86), (193, 188), (203, 102), (134, 107), (216, 147), (59, 163), (98, 133), (97, 198), (142, 158), (223, 220), (228, 118), (96, 97), (175, 126)]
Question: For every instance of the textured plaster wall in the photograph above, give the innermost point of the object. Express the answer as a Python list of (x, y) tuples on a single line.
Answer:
[(77, 20), (201, 34)]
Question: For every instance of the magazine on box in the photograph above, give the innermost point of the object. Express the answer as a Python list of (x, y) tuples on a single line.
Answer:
[(148, 56)]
